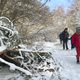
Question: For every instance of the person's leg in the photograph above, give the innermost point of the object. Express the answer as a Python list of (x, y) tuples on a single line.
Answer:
[(72, 46), (78, 54), (77, 58), (63, 45), (66, 45), (61, 41)]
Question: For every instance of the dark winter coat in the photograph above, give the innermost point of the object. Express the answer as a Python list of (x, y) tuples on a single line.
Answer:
[(65, 35)]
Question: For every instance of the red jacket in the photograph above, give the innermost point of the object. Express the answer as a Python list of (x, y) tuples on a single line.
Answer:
[(76, 39)]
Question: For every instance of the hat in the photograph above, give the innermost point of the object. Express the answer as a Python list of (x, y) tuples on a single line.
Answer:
[(65, 29)]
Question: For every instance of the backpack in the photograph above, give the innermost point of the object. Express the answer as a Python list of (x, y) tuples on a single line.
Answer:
[(65, 35)]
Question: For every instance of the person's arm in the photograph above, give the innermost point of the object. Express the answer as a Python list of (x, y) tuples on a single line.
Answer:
[(73, 39), (68, 34)]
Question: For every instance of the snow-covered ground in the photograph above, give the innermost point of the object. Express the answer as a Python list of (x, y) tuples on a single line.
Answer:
[(64, 59), (6, 74)]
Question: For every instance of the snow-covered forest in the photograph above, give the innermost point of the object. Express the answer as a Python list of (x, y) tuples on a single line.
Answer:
[(29, 41)]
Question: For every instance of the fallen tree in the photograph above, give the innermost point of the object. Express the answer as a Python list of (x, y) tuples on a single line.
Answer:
[(13, 67), (26, 60), (9, 39), (10, 56)]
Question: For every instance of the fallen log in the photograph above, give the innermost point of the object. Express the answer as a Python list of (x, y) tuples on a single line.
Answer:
[(13, 67), (40, 53), (10, 56)]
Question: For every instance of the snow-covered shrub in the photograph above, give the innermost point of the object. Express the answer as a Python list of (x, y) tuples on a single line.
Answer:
[(8, 33)]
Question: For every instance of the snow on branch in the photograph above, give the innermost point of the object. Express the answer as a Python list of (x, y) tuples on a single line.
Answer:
[(8, 32), (13, 67)]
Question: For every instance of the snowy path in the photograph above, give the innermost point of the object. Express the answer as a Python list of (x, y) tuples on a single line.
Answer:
[(66, 58)]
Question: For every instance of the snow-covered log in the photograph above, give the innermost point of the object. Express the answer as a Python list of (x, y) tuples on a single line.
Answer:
[(12, 56), (46, 53), (13, 67)]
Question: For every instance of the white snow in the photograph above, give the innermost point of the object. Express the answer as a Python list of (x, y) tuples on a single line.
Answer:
[(2, 47), (1, 23), (67, 59), (64, 59)]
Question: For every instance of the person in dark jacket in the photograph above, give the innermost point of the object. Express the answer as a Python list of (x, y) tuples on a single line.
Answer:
[(65, 36)]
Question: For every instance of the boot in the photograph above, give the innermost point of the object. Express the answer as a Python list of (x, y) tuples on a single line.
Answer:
[(77, 59)]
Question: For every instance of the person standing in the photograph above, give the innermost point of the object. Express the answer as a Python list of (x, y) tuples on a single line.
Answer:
[(65, 36), (76, 42)]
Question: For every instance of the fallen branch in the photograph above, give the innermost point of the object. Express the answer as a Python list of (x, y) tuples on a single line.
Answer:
[(13, 67), (39, 53), (9, 55)]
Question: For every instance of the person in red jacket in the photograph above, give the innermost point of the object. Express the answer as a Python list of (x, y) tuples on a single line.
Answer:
[(76, 42)]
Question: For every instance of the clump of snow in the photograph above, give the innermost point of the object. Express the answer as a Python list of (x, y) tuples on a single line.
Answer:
[(43, 46), (48, 46), (22, 46), (2, 46)]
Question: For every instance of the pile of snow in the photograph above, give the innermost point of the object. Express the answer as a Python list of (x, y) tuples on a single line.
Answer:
[(2, 46), (43, 46)]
